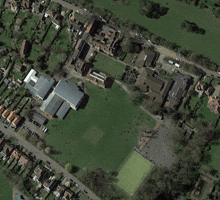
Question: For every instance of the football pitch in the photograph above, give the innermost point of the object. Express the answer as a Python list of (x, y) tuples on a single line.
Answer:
[(132, 173)]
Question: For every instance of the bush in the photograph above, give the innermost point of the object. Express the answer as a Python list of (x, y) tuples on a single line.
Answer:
[(69, 167)]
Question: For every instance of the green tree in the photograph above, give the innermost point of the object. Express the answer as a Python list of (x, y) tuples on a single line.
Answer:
[(69, 167)]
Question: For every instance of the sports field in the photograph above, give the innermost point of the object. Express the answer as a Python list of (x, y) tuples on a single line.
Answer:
[(100, 135), (132, 173), (169, 26)]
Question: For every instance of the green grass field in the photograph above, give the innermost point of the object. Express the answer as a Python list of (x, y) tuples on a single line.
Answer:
[(169, 26), (132, 173), (109, 66), (6, 188), (100, 135)]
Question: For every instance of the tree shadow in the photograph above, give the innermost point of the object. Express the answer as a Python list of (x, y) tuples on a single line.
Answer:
[(206, 158), (75, 169)]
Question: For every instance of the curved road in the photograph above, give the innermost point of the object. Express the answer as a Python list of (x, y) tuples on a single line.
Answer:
[(40, 155)]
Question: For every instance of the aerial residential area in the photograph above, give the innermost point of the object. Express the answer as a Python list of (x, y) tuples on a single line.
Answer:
[(112, 100)]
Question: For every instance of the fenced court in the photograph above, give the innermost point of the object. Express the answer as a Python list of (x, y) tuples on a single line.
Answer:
[(132, 172)]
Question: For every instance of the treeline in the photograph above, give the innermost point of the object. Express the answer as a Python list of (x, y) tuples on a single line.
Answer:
[(200, 4), (152, 10), (192, 27), (102, 183)]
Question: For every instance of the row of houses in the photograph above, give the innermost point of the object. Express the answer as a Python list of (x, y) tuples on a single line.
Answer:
[(40, 174), (10, 116)]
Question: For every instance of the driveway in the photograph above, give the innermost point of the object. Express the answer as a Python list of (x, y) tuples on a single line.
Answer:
[(42, 156)]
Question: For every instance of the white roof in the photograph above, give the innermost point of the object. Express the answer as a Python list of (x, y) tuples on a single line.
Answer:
[(31, 75)]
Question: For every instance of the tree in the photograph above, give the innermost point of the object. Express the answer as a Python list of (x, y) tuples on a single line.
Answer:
[(69, 167), (47, 150)]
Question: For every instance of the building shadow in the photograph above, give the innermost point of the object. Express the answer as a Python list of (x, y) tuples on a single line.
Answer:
[(84, 102), (109, 82)]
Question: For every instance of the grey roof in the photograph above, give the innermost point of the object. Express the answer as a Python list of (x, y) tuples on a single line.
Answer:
[(39, 118), (76, 54), (32, 90), (6, 81), (69, 92), (43, 85), (63, 110), (51, 104)]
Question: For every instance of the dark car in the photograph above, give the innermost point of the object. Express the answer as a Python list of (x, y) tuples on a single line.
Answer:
[(30, 120), (48, 162), (85, 191), (5, 127), (71, 180)]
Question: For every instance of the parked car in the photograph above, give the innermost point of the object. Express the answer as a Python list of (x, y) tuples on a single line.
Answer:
[(36, 123), (85, 191), (48, 162), (5, 127), (30, 120)]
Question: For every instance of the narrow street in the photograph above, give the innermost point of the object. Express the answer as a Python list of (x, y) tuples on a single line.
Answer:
[(42, 156)]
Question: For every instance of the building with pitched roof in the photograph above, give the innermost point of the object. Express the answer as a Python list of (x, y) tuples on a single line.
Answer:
[(11, 116), (15, 155), (145, 58), (1, 109), (214, 104), (39, 118), (156, 87), (16, 120), (40, 174), (23, 161), (49, 183), (25, 47), (79, 67), (97, 78), (59, 191), (201, 87), (38, 87), (5, 113), (178, 90), (6, 151), (68, 194), (63, 92)]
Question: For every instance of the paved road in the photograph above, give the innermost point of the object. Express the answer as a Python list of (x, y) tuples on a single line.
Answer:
[(40, 155)]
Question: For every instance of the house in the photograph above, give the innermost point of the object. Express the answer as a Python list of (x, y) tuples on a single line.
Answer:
[(97, 78), (23, 161), (38, 87), (39, 118), (145, 57), (178, 90), (105, 40), (49, 13), (209, 91), (74, 26), (40, 174), (6, 81), (6, 151), (214, 104), (59, 191), (156, 86), (1, 109), (37, 8), (25, 48), (19, 67), (68, 194), (11, 116), (49, 183), (16, 120), (203, 187), (26, 5), (63, 92), (201, 87), (15, 155), (5, 113), (79, 67), (13, 5), (56, 21)]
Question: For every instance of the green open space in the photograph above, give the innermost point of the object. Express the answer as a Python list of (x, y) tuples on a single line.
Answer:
[(6, 188), (51, 34), (132, 172), (169, 26), (100, 135), (109, 66), (80, 17)]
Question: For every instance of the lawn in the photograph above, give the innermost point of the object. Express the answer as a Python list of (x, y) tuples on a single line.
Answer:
[(100, 135), (6, 188), (132, 173), (169, 26), (109, 66)]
